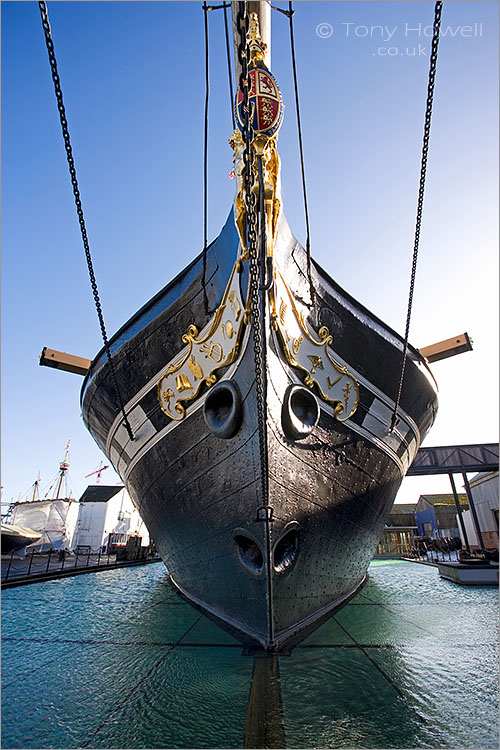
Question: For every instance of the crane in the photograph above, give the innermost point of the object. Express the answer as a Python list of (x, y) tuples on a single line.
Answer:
[(98, 472)]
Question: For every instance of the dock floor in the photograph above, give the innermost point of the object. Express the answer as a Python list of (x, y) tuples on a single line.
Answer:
[(410, 662)]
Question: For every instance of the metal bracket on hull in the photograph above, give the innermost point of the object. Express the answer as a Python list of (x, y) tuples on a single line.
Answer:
[(265, 513)]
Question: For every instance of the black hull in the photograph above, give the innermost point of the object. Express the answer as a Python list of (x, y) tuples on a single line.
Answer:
[(269, 567)]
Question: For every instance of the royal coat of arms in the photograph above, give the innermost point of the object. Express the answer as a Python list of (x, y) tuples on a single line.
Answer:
[(265, 101)]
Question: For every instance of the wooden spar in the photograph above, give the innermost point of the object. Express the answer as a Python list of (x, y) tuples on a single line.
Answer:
[(264, 722), (62, 361), (263, 10), (447, 348)]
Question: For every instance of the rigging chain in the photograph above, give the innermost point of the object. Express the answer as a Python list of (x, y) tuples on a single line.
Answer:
[(256, 309), (76, 192), (423, 169)]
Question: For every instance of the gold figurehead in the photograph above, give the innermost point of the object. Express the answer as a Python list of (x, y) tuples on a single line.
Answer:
[(265, 98)]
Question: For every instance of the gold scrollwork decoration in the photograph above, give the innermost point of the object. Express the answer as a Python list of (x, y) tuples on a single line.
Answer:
[(217, 346), (310, 353)]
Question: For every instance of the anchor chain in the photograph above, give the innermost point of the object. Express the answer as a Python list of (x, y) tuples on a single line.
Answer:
[(257, 312), (78, 202), (420, 204)]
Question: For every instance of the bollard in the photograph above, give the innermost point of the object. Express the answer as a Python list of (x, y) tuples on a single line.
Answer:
[(48, 561), (76, 561)]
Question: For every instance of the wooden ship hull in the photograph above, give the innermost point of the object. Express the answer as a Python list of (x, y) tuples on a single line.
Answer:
[(268, 560)]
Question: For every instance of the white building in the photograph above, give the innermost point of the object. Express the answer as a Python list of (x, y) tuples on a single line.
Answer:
[(104, 515), (484, 489), (107, 516)]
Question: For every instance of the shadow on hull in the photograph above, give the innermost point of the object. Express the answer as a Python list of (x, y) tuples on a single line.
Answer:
[(269, 564)]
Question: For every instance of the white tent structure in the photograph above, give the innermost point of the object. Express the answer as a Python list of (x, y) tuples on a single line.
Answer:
[(104, 516), (55, 519)]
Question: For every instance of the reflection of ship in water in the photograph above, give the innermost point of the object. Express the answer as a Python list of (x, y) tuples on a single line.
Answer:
[(260, 437)]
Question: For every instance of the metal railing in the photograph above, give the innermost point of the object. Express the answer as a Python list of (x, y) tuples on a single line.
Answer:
[(390, 549), (441, 549), (41, 564)]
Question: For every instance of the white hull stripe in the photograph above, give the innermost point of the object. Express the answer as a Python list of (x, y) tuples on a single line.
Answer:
[(125, 454), (147, 437)]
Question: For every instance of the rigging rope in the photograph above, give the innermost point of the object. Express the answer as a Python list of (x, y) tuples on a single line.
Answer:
[(229, 71), (76, 192), (423, 169), (299, 129), (206, 9), (205, 160)]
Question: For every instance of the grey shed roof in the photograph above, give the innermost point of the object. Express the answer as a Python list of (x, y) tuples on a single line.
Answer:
[(100, 493)]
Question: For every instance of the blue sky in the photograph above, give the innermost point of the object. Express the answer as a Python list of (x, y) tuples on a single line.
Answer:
[(132, 74)]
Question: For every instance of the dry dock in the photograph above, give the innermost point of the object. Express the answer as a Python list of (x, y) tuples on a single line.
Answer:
[(411, 661)]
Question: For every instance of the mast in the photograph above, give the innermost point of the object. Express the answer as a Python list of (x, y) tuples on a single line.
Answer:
[(35, 487), (263, 10), (63, 468)]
